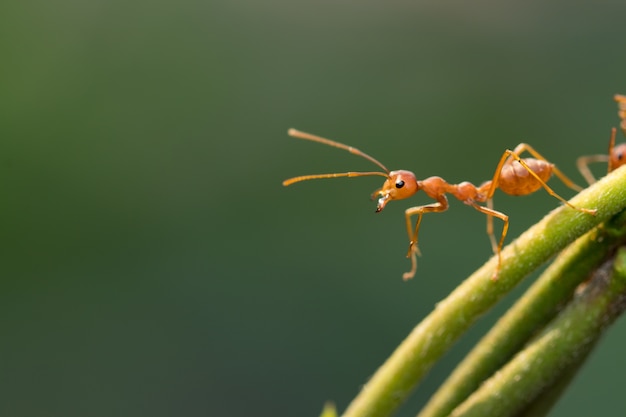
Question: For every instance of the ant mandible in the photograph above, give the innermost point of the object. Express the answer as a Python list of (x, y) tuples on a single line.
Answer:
[(616, 156), (521, 178)]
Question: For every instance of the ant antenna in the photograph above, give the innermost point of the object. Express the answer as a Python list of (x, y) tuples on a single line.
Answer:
[(612, 161), (314, 138)]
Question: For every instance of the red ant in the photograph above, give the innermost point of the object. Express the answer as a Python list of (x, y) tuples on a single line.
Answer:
[(523, 178), (616, 156)]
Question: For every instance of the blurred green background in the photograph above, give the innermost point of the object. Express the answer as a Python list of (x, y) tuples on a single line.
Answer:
[(153, 263)]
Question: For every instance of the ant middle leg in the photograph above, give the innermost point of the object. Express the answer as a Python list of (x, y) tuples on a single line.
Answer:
[(497, 247)]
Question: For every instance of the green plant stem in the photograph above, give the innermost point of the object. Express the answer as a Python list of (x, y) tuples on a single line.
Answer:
[(546, 399), (562, 344), (544, 402), (429, 340), (532, 311)]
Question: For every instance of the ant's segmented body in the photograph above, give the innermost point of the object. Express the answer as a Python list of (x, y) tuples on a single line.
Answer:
[(514, 176)]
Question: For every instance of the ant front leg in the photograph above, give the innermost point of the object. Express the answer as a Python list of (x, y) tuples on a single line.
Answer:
[(440, 206)]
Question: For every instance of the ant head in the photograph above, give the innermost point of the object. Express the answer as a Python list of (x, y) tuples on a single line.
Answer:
[(400, 184), (617, 154), (617, 158)]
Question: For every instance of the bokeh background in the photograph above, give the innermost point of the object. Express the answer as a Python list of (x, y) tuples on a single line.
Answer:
[(153, 264)]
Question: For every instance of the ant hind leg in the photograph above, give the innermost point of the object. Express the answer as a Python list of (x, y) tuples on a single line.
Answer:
[(497, 248)]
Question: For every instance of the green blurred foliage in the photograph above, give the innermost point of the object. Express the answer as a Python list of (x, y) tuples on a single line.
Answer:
[(153, 263)]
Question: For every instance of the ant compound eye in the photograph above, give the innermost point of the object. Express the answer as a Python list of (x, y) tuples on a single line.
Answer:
[(620, 156), (399, 184)]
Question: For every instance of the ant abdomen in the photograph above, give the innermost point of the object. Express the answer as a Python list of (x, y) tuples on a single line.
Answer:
[(516, 180)]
